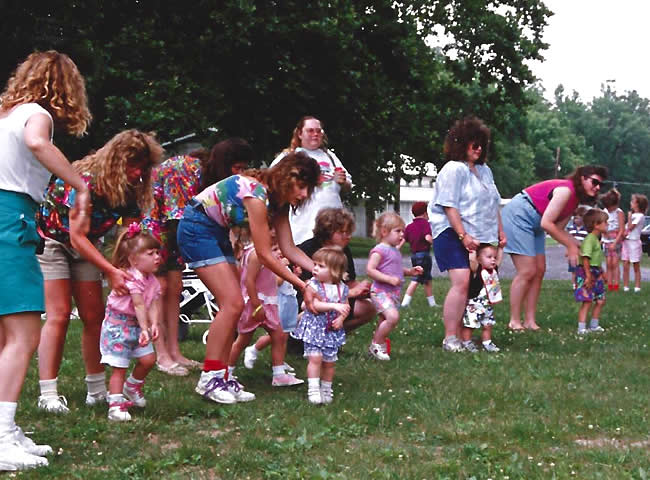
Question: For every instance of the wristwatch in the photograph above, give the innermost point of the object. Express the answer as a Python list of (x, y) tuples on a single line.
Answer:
[(461, 236)]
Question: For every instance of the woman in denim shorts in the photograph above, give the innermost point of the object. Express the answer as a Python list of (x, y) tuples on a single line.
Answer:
[(462, 216), (254, 199)]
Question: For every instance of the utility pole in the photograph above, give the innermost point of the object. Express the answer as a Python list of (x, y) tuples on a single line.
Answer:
[(557, 161)]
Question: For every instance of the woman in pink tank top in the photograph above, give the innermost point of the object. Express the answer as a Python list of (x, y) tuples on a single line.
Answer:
[(545, 207)]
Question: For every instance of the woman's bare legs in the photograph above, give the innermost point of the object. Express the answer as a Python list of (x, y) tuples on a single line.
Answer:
[(21, 334), (454, 306), (90, 303), (58, 305), (526, 286), (222, 280)]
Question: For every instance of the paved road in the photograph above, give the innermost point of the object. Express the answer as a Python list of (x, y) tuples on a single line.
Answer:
[(556, 266)]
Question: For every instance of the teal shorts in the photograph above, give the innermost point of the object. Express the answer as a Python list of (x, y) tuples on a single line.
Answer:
[(21, 282)]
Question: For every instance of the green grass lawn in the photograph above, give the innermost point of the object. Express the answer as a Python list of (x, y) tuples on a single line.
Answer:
[(550, 405)]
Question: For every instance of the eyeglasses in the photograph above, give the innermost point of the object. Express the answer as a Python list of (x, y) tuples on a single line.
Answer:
[(312, 131), (476, 146), (595, 182)]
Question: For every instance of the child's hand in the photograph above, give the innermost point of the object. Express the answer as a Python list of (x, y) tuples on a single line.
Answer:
[(144, 338), (394, 281), (589, 282), (416, 271), (343, 309), (155, 331), (337, 323)]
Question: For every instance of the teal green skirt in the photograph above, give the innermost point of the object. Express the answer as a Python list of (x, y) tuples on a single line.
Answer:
[(21, 280)]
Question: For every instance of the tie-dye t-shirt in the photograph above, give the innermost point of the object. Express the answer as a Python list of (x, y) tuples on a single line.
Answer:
[(223, 201)]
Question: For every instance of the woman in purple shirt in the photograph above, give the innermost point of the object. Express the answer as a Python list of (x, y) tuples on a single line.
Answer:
[(545, 207)]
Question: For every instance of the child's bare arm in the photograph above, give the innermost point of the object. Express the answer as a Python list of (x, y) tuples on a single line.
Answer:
[(473, 261), (155, 314), (371, 270), (499, 256), (142, 316), (252, 270), (588, 277)]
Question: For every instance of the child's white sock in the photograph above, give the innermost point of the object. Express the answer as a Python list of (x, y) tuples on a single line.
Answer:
[(487, 342), (407, 300), (313, 383), (593, 323), (133, 381), (115, 399), (278, 370), (48, 387), (582, 326), (432, 301), (7, 416), (96, 384), (231, 371), (326, 386)]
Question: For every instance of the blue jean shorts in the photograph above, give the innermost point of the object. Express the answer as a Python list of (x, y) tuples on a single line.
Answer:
[(522, 226), (288, 307), (201, 240), (449, 251), (422, 259)]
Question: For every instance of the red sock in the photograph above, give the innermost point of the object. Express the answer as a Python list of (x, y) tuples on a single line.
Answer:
[(211, 365)]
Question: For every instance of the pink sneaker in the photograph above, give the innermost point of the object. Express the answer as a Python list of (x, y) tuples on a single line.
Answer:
[(285, 380)]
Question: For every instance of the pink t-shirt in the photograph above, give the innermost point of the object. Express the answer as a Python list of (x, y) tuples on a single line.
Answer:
[(148, 287), (542, 192), (390, 263)]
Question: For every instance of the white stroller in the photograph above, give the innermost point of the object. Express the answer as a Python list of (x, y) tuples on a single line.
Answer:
[(196, 299)]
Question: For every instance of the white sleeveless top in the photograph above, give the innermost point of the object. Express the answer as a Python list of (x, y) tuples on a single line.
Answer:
[(20, 171)]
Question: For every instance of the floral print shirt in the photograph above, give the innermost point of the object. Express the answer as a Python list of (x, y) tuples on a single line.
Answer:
[(223, 201), (52, 216), (175, 182)]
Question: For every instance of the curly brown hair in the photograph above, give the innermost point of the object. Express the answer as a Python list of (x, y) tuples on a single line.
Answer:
[(295, 138), (52, 80), (331, 220), (296, 167), (469, 130), (611, 198), (108, 165), (218, 163), (126, 246), (585, 171), (334, 259), (641, 202)]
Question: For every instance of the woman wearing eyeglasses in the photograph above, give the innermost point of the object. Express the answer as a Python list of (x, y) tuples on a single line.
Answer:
[(309, 137), (463, 213), (545, 207)]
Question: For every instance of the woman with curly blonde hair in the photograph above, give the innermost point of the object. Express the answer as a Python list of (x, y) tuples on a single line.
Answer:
[(45, 90), (118, 176), (254, 199)]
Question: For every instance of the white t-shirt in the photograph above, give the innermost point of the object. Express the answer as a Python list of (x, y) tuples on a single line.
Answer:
[(326, 195), (637, 222), (20, 171)]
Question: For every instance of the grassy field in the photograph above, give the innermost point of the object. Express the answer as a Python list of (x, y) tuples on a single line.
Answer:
[(550, 405)]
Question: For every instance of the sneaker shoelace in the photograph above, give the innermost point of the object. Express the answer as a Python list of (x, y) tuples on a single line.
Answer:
[(136, 388), (124, 406), (235, 385), (213, 384)]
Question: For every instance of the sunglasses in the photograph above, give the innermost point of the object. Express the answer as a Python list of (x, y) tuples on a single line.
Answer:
[(595, 182), (476, 146), (311, 131)]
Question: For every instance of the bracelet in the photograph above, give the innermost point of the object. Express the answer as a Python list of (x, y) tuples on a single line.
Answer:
[(259, 307)]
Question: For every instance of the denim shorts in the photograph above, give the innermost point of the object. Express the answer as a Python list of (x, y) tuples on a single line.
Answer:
[(201, 240), (422, 259), (288, 306), (521, 224), (449, 251)]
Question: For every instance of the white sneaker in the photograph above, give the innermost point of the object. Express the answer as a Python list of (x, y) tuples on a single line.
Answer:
[(237, 391), (452, 345), (491, 347), (53, 404), (326, 395), (133, 392), (96, 398), (626, 289), (28, 444), (250, 356), (14, 457), (119, 412), (637, 289), (469, 346), (214, 387), (289, 369), (583, 331), (378, 351), (596, 329), (314, 396), (286, 380)]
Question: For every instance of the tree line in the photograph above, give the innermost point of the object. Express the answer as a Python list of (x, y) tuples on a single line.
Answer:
[(387, 78)]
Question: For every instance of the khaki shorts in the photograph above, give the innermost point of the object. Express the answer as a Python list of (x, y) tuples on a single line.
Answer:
[(60, 262)]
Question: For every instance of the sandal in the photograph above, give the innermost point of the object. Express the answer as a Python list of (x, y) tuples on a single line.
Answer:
[(192, 365), (175, 369)]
